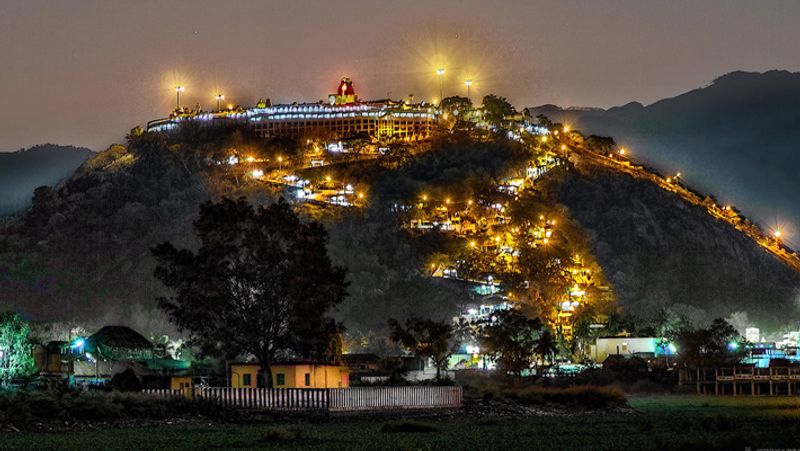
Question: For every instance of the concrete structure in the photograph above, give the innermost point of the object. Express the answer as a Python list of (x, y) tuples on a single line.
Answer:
[(291, 375), (780, 378), (343, 116), (622, 346)]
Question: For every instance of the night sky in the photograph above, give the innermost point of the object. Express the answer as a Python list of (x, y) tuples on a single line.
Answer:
[(83, 73)]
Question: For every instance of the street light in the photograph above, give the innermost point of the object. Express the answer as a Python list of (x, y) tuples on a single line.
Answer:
[(440, 72), (468, 83), (220, 98), (178, 91)]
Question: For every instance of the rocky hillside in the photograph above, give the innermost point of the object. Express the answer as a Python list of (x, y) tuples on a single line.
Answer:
[(658, 250), (23, 171), (82, 251), (734, 138)]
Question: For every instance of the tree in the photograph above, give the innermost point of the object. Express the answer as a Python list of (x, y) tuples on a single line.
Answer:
[(510, 339), (496, 109), (717, 344), (426, 338), (16, 359), (261, 283), (456, 105), (546, 346)]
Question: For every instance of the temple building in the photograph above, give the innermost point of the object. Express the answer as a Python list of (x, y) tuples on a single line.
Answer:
[(343, 116)]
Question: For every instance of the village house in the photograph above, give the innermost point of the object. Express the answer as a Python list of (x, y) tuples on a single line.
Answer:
[(305, 374)]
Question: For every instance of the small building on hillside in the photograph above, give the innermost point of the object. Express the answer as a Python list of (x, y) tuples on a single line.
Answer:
[(291, 375), (623, 346)]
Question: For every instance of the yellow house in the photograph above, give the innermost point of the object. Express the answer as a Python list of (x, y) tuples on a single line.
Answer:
[(291, 375), (182, 383)]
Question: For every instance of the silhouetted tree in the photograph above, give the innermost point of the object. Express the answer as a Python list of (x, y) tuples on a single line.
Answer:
[(426, 338), (496, 108), (511, 339), (261, 283), (546, 346), (456, 105), (711, 345)]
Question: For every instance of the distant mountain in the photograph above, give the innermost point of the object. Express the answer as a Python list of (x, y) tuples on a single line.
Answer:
[(735, 138), (23, 171)]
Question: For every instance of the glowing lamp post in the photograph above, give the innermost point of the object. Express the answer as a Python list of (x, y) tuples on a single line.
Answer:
[(178, 91), (219, 98), (440, 72), (468, 84)]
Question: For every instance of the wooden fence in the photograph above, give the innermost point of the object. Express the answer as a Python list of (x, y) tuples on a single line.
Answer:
[(332, 399)]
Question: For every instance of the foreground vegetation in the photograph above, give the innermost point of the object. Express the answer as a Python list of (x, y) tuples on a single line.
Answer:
[(660, 422)]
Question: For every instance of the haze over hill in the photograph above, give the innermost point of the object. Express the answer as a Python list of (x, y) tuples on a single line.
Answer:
[(734, 138), (23, 171)]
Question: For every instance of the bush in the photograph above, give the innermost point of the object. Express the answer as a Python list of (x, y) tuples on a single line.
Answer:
[(407, 426), (22, 408), (578, 396), (582, 396)]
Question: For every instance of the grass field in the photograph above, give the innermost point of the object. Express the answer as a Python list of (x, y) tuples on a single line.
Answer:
[(662, 422)]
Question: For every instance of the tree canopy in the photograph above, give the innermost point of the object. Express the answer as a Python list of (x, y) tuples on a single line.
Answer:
[(511, 339), (16, 359), (495, 108), (261, 283), (426, 338)]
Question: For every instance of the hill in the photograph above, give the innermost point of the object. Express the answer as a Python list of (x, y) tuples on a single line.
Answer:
[(659, 251), (733, 138), (24, 170), (82, 251)]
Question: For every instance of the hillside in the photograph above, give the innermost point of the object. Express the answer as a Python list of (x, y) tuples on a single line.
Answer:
[(733, 138), (22, 171), (82, 251), (658, 250)]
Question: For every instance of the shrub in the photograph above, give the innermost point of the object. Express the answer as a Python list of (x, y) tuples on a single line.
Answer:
[(578, 396), (407, 426), (21, 408), (582, 396)]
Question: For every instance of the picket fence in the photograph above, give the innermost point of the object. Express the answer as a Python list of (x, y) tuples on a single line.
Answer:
[(330, 399)]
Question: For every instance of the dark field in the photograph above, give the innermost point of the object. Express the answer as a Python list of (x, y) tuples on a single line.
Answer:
[(661, 422)]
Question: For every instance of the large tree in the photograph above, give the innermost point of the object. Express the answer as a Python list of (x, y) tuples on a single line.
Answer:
[(16, 359), (510, 338), (717, 344), (426, 338), (495, 109), (261, 283)]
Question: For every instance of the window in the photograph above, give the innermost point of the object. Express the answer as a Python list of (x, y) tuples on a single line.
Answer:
[(308, 379), (280, 379), (246, 380)]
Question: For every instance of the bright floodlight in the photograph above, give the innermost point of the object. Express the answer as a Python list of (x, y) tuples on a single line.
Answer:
[(440, 71), (179, 88), (777, 234), (468, 82)]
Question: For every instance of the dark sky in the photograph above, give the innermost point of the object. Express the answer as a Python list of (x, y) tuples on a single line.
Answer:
[(85, 72)]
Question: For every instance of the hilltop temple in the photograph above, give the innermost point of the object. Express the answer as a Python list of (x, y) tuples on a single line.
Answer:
[(344, 115)]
